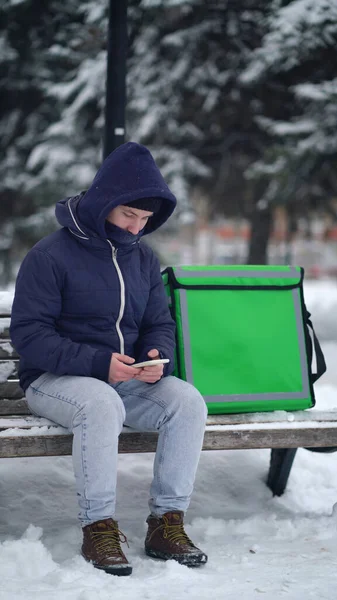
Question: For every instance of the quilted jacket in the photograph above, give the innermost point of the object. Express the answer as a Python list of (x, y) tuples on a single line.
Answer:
[(90, 289)]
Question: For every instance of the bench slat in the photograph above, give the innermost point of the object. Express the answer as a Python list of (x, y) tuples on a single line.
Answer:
[(13, 406), (60, 445), (245, 439), (290, 419), (39, 445), (223, 422), (18, 406), (10, 389), (278, 416)]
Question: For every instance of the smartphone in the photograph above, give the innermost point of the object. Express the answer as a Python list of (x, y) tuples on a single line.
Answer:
[(151, 363)]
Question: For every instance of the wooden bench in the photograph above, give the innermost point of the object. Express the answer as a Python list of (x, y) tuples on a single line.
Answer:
[(22, 434)]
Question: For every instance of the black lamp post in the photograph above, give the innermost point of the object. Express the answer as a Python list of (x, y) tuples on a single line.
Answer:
[(114, 129)]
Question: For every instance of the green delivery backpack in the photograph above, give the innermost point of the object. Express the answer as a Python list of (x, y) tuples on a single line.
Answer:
[(244, 337)]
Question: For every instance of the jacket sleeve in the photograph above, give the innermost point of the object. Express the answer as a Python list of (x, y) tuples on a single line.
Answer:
[(157, 328), (36, 308)]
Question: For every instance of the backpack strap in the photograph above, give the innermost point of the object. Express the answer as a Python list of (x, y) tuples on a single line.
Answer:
[(315, 353)]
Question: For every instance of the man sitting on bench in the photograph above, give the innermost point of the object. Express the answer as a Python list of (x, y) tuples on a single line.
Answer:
[(89, 303)]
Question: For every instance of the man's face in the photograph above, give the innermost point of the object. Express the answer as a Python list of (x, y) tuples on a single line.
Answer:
[(129, 219)]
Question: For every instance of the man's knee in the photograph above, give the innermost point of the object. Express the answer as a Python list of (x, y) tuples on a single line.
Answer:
[(195, 401), (101, 400), (187, 399)]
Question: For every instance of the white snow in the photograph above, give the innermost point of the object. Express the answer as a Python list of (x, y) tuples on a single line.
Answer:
[(258, 546), (296, 30), (8, 348), (6, 369), (45, 430)]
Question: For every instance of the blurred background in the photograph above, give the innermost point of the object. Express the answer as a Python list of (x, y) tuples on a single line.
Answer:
[(236, 99)]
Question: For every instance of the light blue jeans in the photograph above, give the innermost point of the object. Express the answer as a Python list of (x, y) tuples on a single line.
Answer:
[(95, 412)]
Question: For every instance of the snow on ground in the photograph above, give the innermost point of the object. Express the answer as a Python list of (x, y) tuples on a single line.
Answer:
[(258, 546)]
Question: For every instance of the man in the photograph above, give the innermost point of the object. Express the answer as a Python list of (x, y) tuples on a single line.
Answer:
[(89, 302)]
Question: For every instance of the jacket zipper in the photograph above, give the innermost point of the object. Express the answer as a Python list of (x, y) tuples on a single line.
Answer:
[(122, 306)]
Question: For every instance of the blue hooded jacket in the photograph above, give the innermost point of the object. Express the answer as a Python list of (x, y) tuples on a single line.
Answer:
[(90, 288)]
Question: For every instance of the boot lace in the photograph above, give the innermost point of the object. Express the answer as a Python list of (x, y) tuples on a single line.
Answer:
[(109, 541), (174, 533)]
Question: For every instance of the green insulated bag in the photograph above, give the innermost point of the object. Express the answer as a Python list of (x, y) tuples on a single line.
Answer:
[(242, 338)]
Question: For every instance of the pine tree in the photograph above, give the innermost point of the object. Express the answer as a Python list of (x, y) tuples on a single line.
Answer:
[(297, 61), (48, 48), (185, 101), (183, 98)]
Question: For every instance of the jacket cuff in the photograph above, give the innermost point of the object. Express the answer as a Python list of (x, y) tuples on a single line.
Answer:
[(101, 365), (168, 367)]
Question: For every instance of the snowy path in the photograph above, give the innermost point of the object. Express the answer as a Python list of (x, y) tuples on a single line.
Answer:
[(257, 544)]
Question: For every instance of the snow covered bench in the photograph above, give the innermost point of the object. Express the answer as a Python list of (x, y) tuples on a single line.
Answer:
[(22, 434)]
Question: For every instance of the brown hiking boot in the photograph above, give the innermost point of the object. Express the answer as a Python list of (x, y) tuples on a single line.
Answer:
[(101, 546), (167, 539)]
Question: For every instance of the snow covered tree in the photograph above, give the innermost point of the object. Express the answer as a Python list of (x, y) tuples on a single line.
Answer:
[(296, 61), (43, 45), (204, 93), (184, 98)]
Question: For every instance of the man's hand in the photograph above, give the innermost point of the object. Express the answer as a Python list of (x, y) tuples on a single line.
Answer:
[(150, 374), (120, 369)]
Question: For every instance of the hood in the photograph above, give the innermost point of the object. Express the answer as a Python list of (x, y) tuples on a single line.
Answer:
[(129, 173)]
